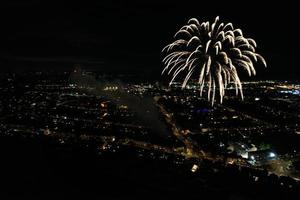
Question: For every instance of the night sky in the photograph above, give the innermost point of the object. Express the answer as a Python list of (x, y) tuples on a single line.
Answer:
[(128, 36)]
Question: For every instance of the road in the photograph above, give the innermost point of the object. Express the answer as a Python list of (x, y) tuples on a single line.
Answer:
[(192, 150)]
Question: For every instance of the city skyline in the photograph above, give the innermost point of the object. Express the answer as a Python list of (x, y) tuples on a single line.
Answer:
[(65, 131)]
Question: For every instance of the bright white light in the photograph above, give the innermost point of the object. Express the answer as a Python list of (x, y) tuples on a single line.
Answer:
[(272, 155), (195, 168), (257, 99), (245, 155), (252, 157)]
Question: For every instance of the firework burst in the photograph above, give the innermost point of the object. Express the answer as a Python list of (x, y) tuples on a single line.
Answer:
[(215, 51)]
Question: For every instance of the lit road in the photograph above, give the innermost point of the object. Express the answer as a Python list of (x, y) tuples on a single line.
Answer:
[(191, 147)]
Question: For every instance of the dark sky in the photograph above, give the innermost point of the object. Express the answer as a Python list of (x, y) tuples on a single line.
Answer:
[(120, 35)]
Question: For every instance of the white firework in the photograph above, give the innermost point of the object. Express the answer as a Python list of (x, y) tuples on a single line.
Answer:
[(215, 50)]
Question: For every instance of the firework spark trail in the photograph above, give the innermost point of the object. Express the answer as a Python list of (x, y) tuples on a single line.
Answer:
[(216, 50)]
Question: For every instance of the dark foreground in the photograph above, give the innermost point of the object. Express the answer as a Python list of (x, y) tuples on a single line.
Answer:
[(38, 167)]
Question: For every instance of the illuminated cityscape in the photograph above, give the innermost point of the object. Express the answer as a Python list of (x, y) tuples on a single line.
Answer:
[(113, 99), (111, 119)]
